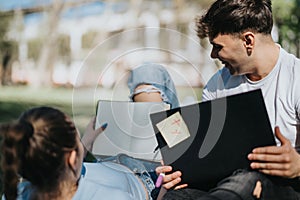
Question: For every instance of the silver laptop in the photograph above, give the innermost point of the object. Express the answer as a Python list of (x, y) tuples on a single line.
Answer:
[(129, 129)]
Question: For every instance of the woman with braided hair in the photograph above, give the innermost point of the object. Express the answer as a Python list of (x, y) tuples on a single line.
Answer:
[(43, 146), (42, 160)]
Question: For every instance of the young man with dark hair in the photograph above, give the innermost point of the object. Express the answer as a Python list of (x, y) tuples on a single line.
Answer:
[(240, 34)]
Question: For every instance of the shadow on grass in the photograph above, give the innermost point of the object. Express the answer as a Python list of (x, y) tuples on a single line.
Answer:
[(11, 110)]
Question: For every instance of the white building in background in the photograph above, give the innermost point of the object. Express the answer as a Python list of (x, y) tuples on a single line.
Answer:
[(124, 38)]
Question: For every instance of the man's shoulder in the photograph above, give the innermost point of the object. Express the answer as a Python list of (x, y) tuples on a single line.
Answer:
[(289, 66), (290, 58), (219, 83), (221, 74), (222, 79)]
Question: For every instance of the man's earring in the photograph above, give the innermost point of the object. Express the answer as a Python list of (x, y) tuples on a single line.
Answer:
[(249, 51)]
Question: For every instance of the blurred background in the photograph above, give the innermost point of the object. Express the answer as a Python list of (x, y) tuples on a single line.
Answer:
[(71, 53)]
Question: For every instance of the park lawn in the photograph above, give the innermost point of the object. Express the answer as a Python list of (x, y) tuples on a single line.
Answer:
[(10, 110), (16, 99)]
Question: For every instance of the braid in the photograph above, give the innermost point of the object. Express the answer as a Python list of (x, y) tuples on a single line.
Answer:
[(13, 149), (35, 149)]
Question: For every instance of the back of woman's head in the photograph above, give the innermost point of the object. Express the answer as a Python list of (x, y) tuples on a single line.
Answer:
[(34, 148)]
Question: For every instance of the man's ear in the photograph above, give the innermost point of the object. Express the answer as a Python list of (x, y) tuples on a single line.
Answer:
[(72, 159), (248, 40)]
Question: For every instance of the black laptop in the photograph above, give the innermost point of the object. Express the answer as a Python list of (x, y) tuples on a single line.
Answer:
[(222, 133)]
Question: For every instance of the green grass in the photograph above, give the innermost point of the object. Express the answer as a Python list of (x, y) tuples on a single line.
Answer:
[(14, 100)]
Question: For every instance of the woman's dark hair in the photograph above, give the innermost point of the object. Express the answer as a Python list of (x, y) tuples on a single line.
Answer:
[(34, 148), (235, 16)]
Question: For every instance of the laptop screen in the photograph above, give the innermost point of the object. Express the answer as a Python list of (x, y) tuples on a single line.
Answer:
[(129, 129)]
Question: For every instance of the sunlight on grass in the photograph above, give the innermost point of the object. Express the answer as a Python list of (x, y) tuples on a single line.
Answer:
[(81, 107)]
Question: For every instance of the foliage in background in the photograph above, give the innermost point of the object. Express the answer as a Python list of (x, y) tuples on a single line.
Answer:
[(287, 18), (8, 50), (34, 47), (64, 49), (88, 39)]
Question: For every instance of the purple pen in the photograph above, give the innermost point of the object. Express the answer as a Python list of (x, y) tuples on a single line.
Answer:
[(159, 180)]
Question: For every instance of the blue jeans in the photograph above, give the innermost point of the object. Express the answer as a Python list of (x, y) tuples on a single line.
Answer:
[(238, 186), (157, 76), (142, 168)]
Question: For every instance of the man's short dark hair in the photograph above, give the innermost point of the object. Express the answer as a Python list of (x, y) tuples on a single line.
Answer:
[(234, 17)]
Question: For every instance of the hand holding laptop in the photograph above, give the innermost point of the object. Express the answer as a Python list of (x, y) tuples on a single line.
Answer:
[(91, 134), (276, 160), (170, 179)]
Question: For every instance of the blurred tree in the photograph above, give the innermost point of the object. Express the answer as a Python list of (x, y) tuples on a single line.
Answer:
[(8, 49), (64, 49), (34, 47), (1, 176), (88, 39), (204, 3), (48, 52), (287, 18)]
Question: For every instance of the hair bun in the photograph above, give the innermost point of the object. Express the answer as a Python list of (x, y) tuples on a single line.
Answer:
[(27, 129)]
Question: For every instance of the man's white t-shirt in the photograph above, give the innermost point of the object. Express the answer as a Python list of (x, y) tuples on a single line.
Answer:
[(280, 88)]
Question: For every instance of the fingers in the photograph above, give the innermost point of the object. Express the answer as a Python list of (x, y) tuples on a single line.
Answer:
[(267, 150), (280, 137), (93, 120), (172, 176), (273, 172), (91, 134), (172, 179), (276, 160), (284, 148), (257, 190), (91, 124), (163, 169), (270, 166), (101, 129), (180, 186), (267, 157)]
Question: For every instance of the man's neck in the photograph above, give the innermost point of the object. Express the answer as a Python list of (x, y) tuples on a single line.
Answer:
[(267, 58)]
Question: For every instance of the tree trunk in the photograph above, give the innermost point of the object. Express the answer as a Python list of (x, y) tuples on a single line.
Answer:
[(49, 52)]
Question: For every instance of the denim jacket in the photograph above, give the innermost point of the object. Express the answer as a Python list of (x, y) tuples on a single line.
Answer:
[(99, 182)]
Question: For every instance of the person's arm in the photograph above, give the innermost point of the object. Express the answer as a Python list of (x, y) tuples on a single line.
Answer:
[(146, 93), (281, 160)]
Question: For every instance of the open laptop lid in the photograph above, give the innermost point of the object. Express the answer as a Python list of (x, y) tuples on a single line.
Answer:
[(129, 129), (222, 133)]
